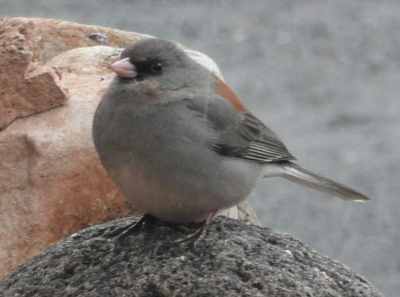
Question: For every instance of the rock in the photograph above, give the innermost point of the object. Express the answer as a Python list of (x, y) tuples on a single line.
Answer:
[(232, 259), (24, 93), (52, 75)]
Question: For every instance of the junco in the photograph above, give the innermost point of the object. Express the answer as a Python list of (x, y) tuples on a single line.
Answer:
[(179, 142)]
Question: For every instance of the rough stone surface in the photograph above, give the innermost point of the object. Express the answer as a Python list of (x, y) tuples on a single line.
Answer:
[(51, 182), (233, 259), (22, 92)]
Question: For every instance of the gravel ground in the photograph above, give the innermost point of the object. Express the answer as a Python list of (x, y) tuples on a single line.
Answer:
[(325, 76)]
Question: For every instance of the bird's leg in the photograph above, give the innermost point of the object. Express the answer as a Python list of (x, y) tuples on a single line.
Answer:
[(199, 233), (134, 227)]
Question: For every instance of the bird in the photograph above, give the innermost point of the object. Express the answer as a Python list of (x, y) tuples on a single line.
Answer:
[(181, 145)]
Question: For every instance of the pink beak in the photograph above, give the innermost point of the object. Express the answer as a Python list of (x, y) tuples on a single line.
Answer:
[(124, 68)]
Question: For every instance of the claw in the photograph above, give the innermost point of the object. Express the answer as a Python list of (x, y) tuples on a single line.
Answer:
[(199, 233), (135, 227)]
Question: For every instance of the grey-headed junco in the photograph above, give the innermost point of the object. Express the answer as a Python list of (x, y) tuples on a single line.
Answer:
[(179, 142)]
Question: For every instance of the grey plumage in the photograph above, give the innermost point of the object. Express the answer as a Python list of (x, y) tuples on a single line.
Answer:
[(297, 174), (178, 149), (244, 136)]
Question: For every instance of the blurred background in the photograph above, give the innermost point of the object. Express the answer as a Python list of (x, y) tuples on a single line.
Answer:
[(325, 75)]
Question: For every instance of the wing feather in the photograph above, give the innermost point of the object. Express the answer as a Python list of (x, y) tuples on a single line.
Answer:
[(239, 134)]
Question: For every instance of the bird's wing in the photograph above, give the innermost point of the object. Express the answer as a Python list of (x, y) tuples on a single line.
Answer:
[(239, 133)]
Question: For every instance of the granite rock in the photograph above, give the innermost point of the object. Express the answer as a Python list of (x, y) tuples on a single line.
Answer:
[(233, 259)]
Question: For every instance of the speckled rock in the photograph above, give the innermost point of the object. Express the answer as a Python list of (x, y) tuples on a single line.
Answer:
[(233, 259)]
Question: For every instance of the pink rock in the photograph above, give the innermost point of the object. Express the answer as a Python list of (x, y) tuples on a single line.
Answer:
[(51, 183)]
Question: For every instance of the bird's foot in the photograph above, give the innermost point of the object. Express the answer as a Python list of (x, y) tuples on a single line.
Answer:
[(135, 227), (198, 234)]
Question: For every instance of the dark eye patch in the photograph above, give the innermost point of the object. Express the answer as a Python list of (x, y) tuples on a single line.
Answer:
[(148, 67)]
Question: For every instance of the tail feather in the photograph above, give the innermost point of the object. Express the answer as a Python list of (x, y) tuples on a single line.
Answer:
[(297, 174)]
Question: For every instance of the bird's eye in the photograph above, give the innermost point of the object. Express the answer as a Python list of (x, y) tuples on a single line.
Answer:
[(156, 67)]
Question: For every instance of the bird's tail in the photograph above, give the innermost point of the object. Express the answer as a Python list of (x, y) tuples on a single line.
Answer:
[(299, 175)]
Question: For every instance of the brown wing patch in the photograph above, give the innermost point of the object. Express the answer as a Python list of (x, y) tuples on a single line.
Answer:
[(226, 92)]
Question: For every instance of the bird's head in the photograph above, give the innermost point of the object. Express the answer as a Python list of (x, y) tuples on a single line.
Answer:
[(159, 63)]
